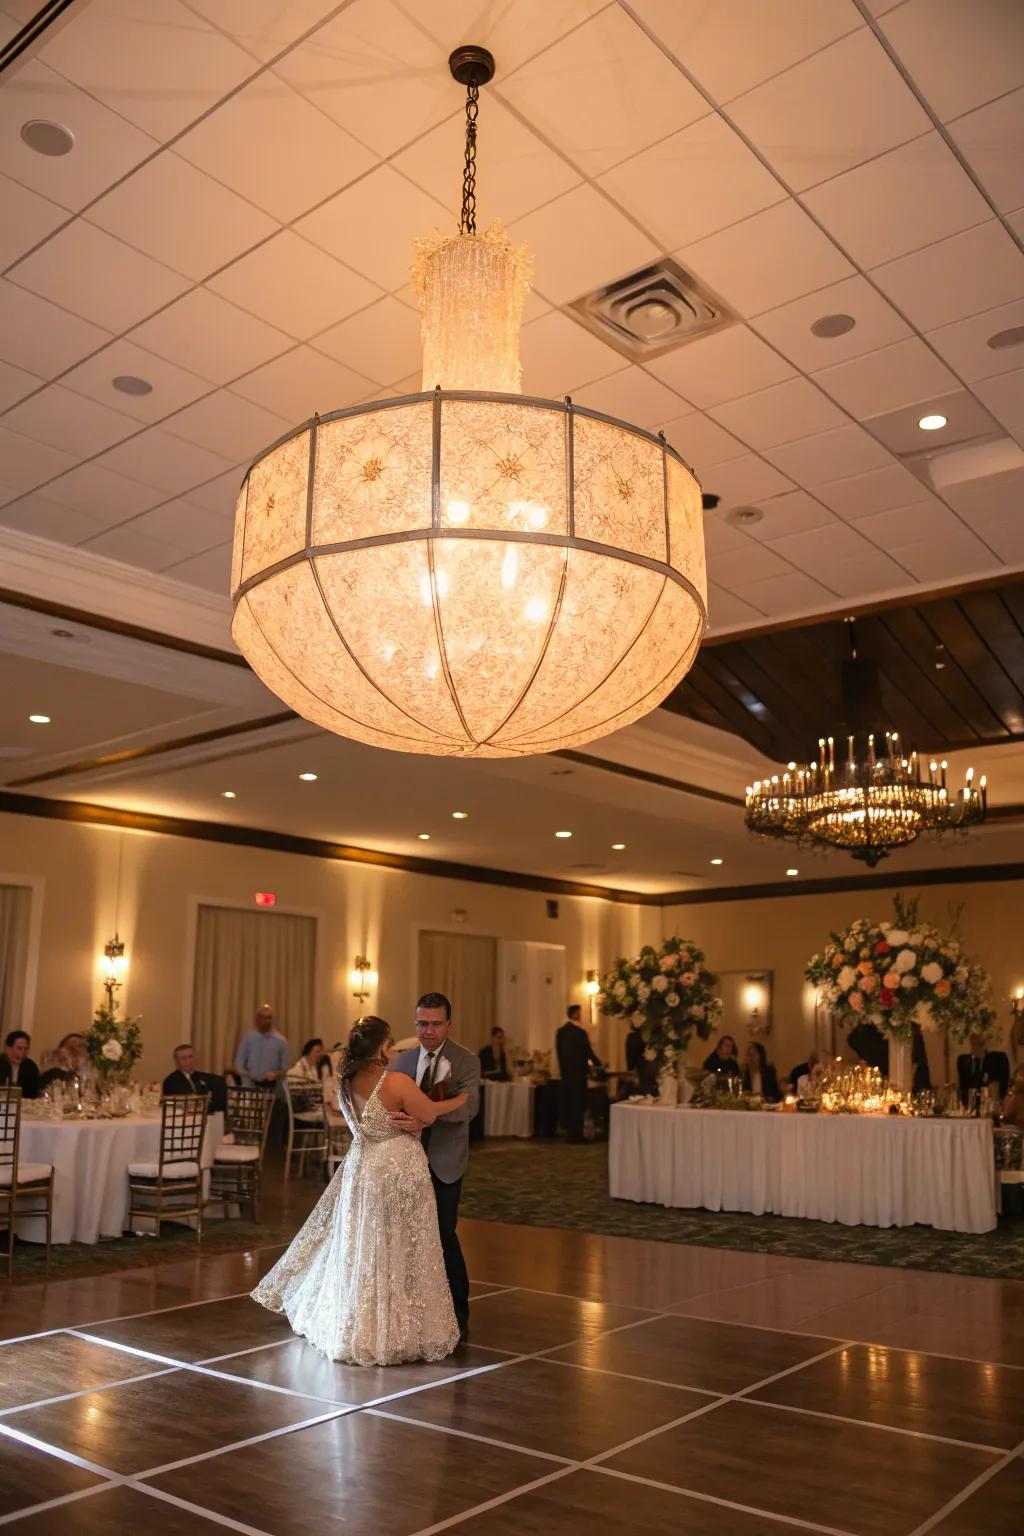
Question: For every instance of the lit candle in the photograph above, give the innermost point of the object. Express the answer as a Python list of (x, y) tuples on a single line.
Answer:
[(871, 751)]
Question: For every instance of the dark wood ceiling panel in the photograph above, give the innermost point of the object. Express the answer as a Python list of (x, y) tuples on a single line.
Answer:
[(910, 629)]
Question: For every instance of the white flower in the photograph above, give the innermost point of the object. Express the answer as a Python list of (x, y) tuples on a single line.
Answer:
[(915, 938), (660, 983), (650, 1054), (896, 936), (688, 978), (908, 983), (696, 1011), (643, 992), (672, 999), (850, 943), (923, 1015), (905, 961), (960, 974), (932, 972), (112, 1051), (846, 978)]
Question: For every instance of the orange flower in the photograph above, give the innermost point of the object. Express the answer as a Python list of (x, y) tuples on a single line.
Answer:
[(942, 988), (865, 967)]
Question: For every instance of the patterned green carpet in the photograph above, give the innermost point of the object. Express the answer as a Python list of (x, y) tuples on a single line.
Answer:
[(549, 1184)]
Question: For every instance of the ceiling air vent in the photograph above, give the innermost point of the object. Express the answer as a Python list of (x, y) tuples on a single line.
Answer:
[(651, 311)]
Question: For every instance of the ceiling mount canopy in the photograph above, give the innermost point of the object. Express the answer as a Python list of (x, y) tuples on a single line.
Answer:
[(470, 571)]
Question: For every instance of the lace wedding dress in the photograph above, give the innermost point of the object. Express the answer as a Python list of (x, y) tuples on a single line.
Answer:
[(364, 1279)]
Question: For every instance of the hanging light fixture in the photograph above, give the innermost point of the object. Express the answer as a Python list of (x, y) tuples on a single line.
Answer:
[(876, 799), (470, 571)]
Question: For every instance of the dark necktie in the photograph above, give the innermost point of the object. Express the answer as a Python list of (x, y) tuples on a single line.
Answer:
[(427, 1080)]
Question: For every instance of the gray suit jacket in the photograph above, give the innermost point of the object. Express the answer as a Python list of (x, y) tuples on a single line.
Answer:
[(448, 1145)]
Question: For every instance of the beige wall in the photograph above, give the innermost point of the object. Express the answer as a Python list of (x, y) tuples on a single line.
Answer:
[(780, 934), (360, 910)]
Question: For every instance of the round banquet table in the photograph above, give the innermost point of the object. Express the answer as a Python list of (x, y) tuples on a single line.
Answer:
[(508, 1109), (90, 1170), (859, 1170)]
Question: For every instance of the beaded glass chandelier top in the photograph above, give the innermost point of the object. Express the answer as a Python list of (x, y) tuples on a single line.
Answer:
[(470, 571)]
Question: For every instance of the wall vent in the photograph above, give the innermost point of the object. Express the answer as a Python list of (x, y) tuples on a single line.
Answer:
[(652, 311)]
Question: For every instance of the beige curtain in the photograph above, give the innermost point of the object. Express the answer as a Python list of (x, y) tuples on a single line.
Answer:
[(15, 911), (465, 969), (244, 959)]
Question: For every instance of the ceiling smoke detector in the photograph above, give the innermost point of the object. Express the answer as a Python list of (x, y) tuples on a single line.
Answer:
[(744, 517), (652, 311), (1011, 337), (829, 326), (47, 138)]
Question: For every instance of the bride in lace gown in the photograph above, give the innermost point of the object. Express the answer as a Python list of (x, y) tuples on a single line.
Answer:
[(364, 1280)]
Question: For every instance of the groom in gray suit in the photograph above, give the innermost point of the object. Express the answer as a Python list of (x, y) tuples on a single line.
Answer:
[(438, 1060)]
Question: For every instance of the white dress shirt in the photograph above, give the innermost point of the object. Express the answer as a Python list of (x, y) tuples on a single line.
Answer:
[(442, 1067)]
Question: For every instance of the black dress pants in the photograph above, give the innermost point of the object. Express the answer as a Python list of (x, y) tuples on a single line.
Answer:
[(448, 1196), (572, 1107)]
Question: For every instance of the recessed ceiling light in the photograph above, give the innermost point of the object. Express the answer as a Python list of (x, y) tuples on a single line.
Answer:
[(1011, 337), (932, 423), (718, 861), (46, 137), (309, 778), (563, 834), (827, 326), (792, 871), (229, 794), (424, 837), (128, 384), (618, 847), (40, 719), (460, 815)]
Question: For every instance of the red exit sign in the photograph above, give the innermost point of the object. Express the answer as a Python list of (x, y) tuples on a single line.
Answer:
[(265, 899)]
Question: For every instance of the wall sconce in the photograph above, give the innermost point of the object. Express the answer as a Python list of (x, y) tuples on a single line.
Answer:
[(362, 977), (591, 987), (1017, 1003), (115, 963), (757, 1004)]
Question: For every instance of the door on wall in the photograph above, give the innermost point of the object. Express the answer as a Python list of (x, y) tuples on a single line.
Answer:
[(15, 913), (464, 967), (244, 959), (531, 993)]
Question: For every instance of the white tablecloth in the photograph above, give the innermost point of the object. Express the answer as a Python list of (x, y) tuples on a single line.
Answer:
[(870, 1170), (508, 1109), (90, 1160)]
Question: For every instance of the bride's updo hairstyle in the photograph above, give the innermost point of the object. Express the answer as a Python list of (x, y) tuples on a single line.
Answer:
[(365, 1040)]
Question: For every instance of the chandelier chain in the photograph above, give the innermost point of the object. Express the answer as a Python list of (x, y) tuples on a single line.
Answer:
[(467, 222)]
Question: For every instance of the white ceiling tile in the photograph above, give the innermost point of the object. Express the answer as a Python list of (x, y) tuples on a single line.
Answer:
[(220, 495), (294, 285), (731, 48), (177, 214), (847, 450), (165, 462), (210, 337), (776, 256), (1007, 539), (900, 526), (957, 554), (559, 356), (373, 225), (779, 414), (512, 33), (1016, 222), (603, 93), (1004, 397), (518, 172), (382, 342), (79, 426), (723, 366), (823, 552), (814, 121), (694, 183), (264, 27), (856, 496), (131, 548), (795, 512), (996, 500), (36, 335), (965, 347), (726, 611), (28, 218), (960, 276), (97, 277), (228, 425), (741, 481), (959, 55), (184, 527), (27, 463), (754, 562), (157, 64), (887, 379), (45, 520), (911, 197), (301, 383), (863, 579), (274, 148), (172, 387), (992, 139), (580, 242), (720, 536), (789, 327), (375, 73), (782, 596), (101, 495), (702, 442), (211, 570), (15, 384), (106, 147), (633, 395)]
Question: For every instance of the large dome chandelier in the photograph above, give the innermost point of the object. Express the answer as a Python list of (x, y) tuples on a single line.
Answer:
[(874, 801), (469, 571)]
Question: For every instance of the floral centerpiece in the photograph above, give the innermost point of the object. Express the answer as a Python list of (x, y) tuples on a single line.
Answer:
[(113, 1045), (669, 994)]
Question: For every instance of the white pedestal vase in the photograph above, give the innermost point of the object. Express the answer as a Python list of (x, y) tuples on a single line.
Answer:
[(901, 1064), (668, 1086)]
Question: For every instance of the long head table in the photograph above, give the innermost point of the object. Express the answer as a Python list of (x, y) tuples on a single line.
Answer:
[(860, 1170)]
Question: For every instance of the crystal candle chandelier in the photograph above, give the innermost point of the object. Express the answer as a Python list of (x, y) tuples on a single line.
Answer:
[(469, 571)]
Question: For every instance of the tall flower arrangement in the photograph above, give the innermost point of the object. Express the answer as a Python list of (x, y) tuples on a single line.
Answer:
[(669, 993), (902, 973), (113, 1045)]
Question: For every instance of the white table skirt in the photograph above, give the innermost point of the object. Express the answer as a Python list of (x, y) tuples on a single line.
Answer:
[(508, 1109), (860, 1170), (90, 1161)]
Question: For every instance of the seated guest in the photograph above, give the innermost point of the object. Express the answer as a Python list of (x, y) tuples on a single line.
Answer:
[(724, 1058), (17, 1069), (306, 1068), (982, 1068), (494, 1063), (75, 1050), (808, 1073), (1013, 1104), (185, 1079), (54, 1068), (759, 1076)]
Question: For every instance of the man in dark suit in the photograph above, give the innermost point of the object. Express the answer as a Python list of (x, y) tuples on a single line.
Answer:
[(17, 1069), (185, 1079), (575, 1056), (493, 1059), (982, 1068)]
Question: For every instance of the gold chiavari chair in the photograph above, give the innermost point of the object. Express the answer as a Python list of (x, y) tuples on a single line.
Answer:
[(306, 1133), (22, 1185), (172, 1187), (238, 1164)]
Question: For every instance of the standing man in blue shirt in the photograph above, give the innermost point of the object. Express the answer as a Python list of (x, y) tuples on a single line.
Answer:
[(262, 1062)]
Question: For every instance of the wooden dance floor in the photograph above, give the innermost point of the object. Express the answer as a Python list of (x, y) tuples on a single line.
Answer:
[(609, 1385)]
